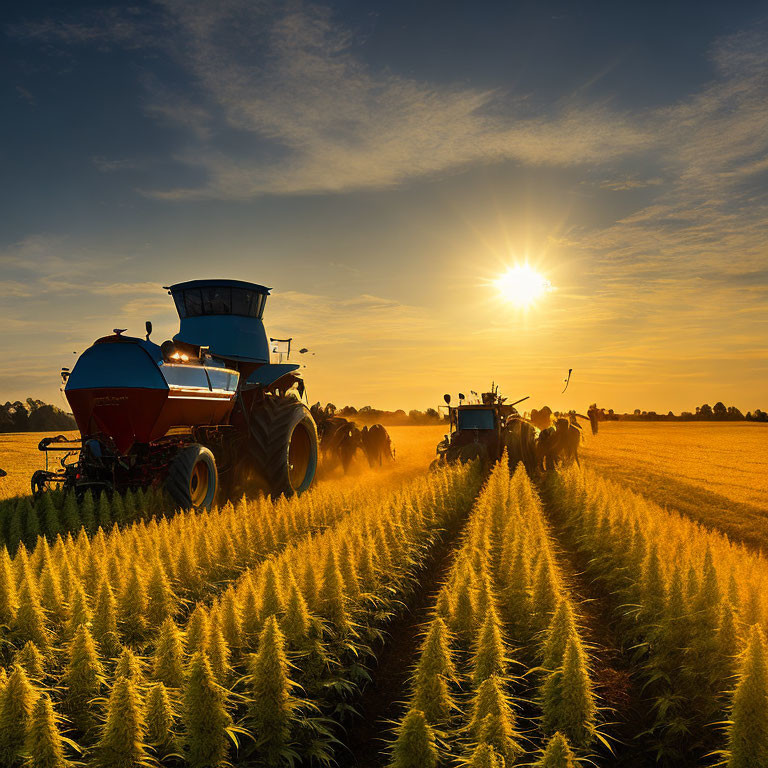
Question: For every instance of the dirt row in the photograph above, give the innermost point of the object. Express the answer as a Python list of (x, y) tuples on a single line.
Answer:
[(625, 712)]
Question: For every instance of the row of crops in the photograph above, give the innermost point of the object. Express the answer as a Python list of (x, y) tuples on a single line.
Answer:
[(246, 634), (689, 607), (234, 635), (55, 513), (503, 676)]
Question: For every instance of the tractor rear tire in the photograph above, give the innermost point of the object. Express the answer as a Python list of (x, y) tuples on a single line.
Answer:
[(193, 479), (284, 444)]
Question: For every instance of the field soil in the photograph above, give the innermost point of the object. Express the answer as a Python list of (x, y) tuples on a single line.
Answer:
[(712, 472)]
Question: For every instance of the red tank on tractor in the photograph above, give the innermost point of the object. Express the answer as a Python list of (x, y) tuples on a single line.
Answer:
[(205, 414)]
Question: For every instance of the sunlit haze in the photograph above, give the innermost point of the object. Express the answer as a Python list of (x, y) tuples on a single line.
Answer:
[(439, 195)]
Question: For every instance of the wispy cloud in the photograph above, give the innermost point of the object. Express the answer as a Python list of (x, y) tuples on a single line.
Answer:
[(333, 124)]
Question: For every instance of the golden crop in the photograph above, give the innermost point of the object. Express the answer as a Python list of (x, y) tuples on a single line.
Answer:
[(713, 472), (504, 628), (686, 600)]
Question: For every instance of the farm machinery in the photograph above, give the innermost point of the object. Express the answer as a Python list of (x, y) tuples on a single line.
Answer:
[(205, 414), (483, 430)]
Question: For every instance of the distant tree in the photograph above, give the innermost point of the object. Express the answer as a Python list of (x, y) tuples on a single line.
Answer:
[(720, 411), (637, 411), (415, 415), (431, 413), (49, 417), (33, 416), (400, 413), (348, 410), (704, 412), (734, 414)]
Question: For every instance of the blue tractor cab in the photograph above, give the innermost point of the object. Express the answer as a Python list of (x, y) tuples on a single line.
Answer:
[(485, 429), (225, 316)]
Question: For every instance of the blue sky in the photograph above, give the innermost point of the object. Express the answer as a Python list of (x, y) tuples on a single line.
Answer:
[(378, 164)]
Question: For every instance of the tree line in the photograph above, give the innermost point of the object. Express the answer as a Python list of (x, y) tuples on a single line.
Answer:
[(34, 416), (706, 412), (370, 415)]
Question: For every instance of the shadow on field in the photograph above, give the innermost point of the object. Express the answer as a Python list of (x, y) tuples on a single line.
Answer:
[(747, 523)]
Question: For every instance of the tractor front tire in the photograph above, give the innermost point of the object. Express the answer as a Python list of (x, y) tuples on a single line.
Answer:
[(193, 479), (284, 444)]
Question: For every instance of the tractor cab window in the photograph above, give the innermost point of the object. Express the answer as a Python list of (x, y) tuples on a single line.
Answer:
[(219, 300), (476, 419)]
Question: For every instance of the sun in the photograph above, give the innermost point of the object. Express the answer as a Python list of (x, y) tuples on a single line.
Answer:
[(522, 285)]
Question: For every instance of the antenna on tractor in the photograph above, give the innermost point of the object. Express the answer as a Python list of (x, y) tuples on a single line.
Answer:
[(148, 326), (447, 399), (461, 396)]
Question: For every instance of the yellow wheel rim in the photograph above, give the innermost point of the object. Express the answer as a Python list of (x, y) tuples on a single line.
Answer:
[(199, 482), (299, 451)]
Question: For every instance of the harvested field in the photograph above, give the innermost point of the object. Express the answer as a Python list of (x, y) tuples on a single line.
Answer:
[(713, 472)]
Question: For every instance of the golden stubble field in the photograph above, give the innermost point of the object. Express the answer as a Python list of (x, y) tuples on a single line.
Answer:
[(713, 472), (414, 447)]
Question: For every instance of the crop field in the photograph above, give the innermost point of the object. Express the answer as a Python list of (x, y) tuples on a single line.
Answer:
[(713, 472), (19, 457), (393, 617)]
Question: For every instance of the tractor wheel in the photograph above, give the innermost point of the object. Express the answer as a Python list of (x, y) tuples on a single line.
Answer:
[(192, 479), (284, 443)]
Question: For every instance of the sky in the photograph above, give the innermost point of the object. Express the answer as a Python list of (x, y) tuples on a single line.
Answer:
[(379, 165)]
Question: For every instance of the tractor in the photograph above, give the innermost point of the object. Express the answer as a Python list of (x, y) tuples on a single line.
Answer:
[(206, 414), (484, 429)]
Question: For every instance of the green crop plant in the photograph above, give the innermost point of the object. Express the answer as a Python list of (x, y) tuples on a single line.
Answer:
[(130, 666), (80, 613), (132, 607), (198, 630), (122, 741), (562, 627), (83, 679), (272, 704), (9, 600), (168, 656), (296, 622), (415, 745), (484, 756), (161, 601), (104, 622), (489, 657), (492, 719), (161, 723), (30, 623), (104, 512), (568, 702), (748, 723), (557, 754), (206, 719), (44, 744), (32, 661), (17, 703), (88, 513)]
